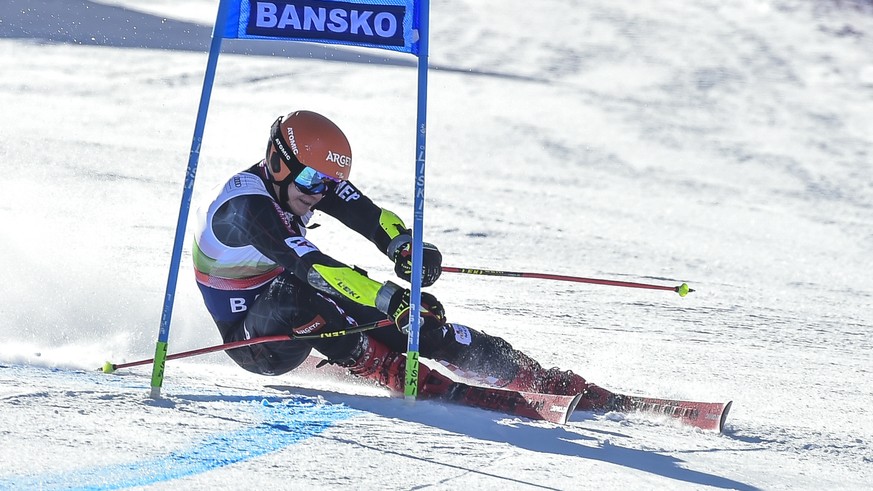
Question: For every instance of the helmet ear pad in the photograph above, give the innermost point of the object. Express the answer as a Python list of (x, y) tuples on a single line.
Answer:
[(273, 160), (281, 168), (280, 171)]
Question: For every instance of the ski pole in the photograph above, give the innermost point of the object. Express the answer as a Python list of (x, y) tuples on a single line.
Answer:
[(682, 289), (110, 367)]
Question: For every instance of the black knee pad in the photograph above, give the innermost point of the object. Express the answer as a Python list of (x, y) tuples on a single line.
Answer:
[(285, 308), (289, 307)]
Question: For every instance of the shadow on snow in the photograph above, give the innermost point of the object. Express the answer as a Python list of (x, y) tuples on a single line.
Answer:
[(557, 440)]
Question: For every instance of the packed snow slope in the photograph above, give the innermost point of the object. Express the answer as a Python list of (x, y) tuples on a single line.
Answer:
[(723, 144)]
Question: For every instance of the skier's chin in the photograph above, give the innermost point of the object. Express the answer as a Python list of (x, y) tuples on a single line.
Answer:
[(301, 206)]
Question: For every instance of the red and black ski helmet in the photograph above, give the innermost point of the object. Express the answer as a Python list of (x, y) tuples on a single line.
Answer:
[(307, 139)]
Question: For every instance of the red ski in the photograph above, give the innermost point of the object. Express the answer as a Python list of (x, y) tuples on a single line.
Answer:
[(703, 415), (531, 405), (556, 408)]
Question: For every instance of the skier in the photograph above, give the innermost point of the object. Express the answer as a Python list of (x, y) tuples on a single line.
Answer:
[(260, 276)]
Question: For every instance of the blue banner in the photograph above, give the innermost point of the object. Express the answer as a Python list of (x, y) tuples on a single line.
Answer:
[(385, 24)]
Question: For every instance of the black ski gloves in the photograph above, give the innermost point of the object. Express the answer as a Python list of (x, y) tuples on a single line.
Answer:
[(400, 251), (394, 301)]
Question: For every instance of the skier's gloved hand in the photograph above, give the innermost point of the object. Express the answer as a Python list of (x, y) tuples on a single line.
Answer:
[(394, 301), (400, 251)]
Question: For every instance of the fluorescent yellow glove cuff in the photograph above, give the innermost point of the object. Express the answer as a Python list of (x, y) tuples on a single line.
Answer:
[(391, 223)]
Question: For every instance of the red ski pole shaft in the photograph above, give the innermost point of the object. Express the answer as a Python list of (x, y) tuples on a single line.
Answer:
[(682, 289), (110, 367), (203, 351)]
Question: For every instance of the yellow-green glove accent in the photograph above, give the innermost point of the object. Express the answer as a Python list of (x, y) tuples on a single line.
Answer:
[(391, 223)]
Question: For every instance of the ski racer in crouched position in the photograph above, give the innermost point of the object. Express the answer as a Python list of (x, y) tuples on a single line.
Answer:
[(260, 276)]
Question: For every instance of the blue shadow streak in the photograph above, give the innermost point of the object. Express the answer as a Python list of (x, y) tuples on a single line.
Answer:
[(285, 424)]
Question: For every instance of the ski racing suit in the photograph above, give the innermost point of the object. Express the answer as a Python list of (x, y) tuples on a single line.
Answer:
[(260, 276)]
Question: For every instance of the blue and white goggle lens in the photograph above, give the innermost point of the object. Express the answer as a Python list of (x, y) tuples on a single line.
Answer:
[(310, 181)]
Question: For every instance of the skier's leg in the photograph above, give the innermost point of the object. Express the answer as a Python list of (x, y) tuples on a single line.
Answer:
[(490, 359), (377, 355), (373, 360), (285, 308)]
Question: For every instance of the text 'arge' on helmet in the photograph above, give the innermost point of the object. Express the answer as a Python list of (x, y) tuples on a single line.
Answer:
[(306, 138)]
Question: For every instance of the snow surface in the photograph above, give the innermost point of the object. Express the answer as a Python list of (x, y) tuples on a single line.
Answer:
[(726, 144)]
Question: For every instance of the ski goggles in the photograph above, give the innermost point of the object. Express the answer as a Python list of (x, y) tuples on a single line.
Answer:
[(312, 182)]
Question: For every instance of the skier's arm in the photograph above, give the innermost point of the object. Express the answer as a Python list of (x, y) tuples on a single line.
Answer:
[(358, 212), (383, 228)]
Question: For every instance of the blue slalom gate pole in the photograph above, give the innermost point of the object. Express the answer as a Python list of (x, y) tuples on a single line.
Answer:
[(412, 348), (184, 208)]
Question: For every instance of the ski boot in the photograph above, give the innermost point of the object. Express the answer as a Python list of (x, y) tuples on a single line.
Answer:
[(373, 360), (532, 377)]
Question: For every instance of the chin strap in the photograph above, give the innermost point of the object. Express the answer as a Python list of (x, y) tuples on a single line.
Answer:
[(282, 185), (283, 192)]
